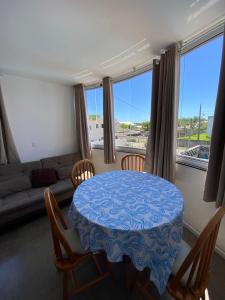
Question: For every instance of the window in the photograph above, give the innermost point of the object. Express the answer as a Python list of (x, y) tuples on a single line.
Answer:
[(132, 101), (199, 76), (95, 115)]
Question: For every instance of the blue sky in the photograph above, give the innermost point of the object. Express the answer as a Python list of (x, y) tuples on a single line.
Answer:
[(199, 74), (132, 99)]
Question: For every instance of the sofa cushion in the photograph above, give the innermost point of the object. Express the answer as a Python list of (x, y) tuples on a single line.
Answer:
[(43, 177), (14, 185), (61, 186), (36, 194), (64, 172), (14, 202)]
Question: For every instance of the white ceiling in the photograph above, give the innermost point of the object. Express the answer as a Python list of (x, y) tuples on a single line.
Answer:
[(75, 41)]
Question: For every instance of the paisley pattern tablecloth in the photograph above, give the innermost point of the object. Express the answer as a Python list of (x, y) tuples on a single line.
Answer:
[(130, 213)]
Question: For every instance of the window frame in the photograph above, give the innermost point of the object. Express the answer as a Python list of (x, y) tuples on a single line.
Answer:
[(185, 47), (123, 77), (87, 88), (194, 162)]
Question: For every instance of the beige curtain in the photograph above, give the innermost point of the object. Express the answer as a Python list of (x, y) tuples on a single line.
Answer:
[(108, 116), (81, 121), (160, 152), (215, 179), (8, 152)]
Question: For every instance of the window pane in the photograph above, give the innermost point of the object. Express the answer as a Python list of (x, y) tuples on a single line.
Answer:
[(199, 76), (95, 115), (132, 99)]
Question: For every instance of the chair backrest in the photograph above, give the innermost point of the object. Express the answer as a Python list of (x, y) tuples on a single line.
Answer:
[(198, 261), (133, 162), (82, 170), (58, 224)]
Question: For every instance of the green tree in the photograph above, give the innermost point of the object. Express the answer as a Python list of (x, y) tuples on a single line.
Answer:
[(125, 126), (93, 117), (145, 125)]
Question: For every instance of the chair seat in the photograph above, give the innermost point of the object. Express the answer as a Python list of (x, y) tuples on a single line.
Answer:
[(182, 254), (194, 262), (73, 239)]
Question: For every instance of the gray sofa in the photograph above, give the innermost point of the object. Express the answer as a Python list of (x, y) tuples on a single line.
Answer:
[(18, 198)]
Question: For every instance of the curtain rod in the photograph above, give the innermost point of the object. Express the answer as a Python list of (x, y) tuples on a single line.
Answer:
[(203, 36), (183, 46), (136, 71)]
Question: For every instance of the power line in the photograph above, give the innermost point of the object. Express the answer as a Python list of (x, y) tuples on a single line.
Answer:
[(131, 105)]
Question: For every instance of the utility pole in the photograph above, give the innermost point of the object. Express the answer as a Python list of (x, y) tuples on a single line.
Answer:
[(199, 121)]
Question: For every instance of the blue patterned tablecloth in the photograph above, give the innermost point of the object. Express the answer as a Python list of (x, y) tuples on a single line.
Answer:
[(131, 213)]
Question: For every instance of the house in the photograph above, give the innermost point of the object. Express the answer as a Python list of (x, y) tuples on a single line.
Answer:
[(95, 128), (210, 125)]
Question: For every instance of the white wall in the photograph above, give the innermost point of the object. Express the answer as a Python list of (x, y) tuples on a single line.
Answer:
[(191, 182), (197, 212), (41, 117)]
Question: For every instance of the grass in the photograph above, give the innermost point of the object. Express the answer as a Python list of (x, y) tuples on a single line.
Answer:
[(194, 137)]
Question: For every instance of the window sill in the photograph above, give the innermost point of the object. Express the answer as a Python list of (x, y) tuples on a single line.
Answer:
[(131, 150), (101, 147), (122, 149), (192, 162)]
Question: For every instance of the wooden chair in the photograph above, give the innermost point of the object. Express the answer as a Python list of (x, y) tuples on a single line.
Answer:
[(82, 170), (191, 271), (133, 162), (68, 252)]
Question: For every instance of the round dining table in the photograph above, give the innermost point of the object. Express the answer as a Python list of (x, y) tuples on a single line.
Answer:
[(130, 213)]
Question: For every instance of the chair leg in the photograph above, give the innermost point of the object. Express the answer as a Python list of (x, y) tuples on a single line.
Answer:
[(65, 285), (58, 270), (74, 280), (97, 264), (146, 294), (110, 270), (134, 280), (131, 274), (203, 296)]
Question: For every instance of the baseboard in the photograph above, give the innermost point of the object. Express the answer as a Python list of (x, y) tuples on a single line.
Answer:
[(196, 233)]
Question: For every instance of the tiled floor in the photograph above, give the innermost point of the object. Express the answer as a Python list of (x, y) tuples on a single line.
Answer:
[(27, 271)]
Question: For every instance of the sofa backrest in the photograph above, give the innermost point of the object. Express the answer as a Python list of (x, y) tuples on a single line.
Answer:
[(17, 169), (60, 161), (63, 164), (16, 177)]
